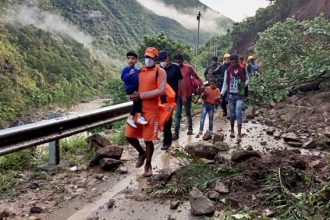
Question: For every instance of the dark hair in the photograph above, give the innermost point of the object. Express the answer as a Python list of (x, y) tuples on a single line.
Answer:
[(215, 58), (241, 58), (234, 57), (213, 80), (131, 54), (179, 57)]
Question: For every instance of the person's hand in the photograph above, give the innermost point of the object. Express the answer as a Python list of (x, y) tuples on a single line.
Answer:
[(246, 84), (135, 97), (132, 72)]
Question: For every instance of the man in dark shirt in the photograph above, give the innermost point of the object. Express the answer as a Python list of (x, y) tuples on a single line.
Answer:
[(223, 68), (174, 79)]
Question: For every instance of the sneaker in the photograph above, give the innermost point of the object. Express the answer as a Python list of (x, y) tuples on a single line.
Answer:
[(175, 137), (190, 132), (142, 121), (165, 146), (232, 135), (239, 139), (140, 161), (131, 123)]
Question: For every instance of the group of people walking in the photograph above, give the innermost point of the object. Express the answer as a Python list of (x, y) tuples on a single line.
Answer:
[(147, 87)]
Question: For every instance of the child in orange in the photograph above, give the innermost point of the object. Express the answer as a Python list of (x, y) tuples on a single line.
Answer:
[(211, 98)]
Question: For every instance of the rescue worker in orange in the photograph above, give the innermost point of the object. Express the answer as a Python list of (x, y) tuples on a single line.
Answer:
[(152, 81)]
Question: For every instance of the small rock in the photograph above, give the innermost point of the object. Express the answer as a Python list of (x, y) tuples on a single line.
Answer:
[(269, 213), (291, 137), (202, 150), (97, 141), (277, 136), (268, 122), (250, 112), (34, 186), (220, 187), (207, 136), (272, 103), (200, 204), (213, 195), (270, 131), (111, 203), (218, 136), (170, 217), (220, 159), (240, 156), (99, 176), (317, 164), (221, 146), (309, 143), (293, 99), (327, 132), (263, 143), (111, 151), (36, 209), (249, 148), (109, 163), (123, 169), (294, 144), (174, 204), (74, 168)]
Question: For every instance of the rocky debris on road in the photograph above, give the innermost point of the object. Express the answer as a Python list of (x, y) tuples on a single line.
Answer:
[(202, 150), (36, 210), (109, 163), (327, 132), (110, 151), (263, 143), (270, 130), (122, 169), (220, 159), (207, 136), (221, 188), (6, 214), (218, 136), (221, 146), (174, 204), (110, 203), (97, 141), (240, 156), (291, 137), (268, 122), (250, 112), (200, 204), (213, 195)]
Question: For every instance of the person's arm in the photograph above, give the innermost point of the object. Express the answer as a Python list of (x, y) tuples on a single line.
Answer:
[(224, 85), (206, 72), (160, 90), (247, 81), (124, 75)]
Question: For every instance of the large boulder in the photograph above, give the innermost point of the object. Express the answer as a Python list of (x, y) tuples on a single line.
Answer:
[(111, 151), (109, 163), (240, 156), (200, 204), (202, 150), (218, 136), (287, 137), (97, 141)]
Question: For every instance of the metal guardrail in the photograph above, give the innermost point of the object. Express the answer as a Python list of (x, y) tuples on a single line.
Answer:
[(31, 135)]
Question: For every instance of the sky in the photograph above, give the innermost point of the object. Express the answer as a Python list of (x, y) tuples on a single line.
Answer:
[(237, 10)]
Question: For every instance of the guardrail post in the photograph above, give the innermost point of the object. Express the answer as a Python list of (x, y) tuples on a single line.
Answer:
[(54, 146)]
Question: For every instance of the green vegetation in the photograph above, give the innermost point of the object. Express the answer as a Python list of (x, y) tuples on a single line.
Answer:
[(37, 69), (292, 53), (161, 42)]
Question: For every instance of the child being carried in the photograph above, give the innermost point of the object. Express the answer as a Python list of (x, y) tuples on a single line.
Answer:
[(130, 76)]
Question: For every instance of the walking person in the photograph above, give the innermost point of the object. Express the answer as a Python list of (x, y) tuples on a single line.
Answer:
[(213, 70), (235, 81), (211, 97), (188, 73), (252, 68), (152, 82), (223, 68), (175, 80)]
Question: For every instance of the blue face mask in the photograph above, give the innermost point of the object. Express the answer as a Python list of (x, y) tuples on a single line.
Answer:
[(149, 62)]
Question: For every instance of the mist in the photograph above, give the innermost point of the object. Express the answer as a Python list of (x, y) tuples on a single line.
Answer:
[(31, 14), (187, 20)]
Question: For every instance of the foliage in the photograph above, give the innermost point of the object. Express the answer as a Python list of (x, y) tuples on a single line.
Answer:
[(116, 90), (291, 53), (18, 160), (161, 42), (193, 173)]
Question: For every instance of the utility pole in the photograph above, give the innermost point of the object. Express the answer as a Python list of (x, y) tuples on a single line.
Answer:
[(197, 49)]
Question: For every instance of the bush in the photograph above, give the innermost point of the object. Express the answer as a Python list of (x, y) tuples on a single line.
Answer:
[(292, 53)]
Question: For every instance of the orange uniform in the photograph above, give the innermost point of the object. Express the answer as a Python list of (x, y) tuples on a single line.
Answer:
[(150, 89), (212, 95)]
